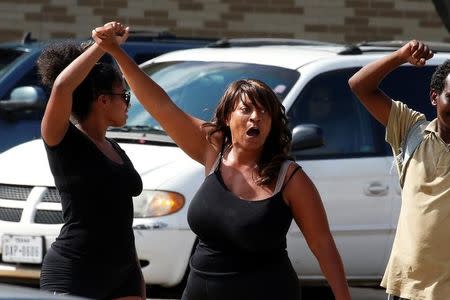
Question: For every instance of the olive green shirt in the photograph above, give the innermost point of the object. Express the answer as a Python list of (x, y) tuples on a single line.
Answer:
[(419, 265)]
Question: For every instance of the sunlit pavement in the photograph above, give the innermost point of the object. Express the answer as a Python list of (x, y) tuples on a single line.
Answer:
[(357, 293), (368, 294), (317, 293), (308, 293)]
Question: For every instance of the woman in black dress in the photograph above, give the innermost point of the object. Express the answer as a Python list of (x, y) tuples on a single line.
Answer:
[(94, 255), (251, 193)]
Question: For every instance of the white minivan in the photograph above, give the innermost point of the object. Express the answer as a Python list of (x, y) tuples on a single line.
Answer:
[(335, 140)]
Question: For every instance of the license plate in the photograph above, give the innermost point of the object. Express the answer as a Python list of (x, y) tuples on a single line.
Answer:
[(22, 249)]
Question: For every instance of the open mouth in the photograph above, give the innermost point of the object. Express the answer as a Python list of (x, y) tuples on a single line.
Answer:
[(253, 132)]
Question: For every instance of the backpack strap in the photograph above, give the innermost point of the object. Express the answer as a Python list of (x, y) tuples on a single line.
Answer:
[(413, 139)]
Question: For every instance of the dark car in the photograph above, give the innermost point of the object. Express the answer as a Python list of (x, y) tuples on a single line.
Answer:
[(23, 98)]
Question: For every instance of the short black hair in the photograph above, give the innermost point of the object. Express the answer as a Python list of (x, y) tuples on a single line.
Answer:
[(437, 83)]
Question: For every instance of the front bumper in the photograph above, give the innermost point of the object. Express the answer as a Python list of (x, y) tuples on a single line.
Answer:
[(163, 252), (19, 272)]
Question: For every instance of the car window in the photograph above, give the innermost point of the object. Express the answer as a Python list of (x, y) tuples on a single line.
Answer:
[(411, 85), (7, 59), (346, 126), (196, 87), (348, 129), (30, 78)]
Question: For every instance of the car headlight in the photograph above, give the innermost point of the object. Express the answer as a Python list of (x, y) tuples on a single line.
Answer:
[(157, 203)]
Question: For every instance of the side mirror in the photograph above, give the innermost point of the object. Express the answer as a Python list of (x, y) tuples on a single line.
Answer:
[(306, 136), (25, 98)]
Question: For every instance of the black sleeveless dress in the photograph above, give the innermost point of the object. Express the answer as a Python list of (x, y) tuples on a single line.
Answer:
[(241, 252), (94, 255)]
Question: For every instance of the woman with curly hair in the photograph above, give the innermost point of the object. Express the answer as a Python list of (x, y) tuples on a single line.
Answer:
[(94, 255), (252, 191)]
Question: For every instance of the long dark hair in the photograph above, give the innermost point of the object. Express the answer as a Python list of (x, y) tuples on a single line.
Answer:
[(277, 145), (57, 56)]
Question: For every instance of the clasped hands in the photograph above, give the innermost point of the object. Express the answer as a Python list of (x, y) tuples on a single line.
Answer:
[(110, 35)]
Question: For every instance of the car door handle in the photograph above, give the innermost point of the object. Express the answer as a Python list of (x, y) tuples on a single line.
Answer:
[(376, 189)]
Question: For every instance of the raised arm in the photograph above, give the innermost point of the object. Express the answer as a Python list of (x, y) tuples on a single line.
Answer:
[(57, 113), (183, 128), (309, 214), (365, 82)]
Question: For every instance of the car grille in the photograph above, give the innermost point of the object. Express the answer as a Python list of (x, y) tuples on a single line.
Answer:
[(52, 195), (10, 214), (48, 217), (13, 193)]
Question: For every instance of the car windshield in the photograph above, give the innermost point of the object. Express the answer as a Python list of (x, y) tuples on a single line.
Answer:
[(196, 87), (7, 59)]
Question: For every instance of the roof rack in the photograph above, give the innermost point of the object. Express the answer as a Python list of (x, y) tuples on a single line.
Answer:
[(374, 46), (251, 42), (350, 49)]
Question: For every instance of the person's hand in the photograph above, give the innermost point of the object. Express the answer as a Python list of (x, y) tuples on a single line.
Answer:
[(121, 32), (110, 35), (416, 53)]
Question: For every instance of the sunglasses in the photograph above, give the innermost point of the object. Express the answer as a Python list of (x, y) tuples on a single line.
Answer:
[(126, 96)]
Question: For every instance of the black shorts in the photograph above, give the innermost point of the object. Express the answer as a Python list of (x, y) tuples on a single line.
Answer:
[(62, 275)]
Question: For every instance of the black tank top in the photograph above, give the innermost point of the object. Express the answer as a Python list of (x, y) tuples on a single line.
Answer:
[(96, 198), (234, 234)]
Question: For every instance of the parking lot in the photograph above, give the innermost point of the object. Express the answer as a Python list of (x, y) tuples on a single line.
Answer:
[(308, 293)]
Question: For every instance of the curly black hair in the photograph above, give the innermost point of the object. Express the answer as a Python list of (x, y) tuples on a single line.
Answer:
[(437, 83), (57, 56), (277, 146)]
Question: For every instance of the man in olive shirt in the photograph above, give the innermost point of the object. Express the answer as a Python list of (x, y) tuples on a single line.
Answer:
[(419, 265)]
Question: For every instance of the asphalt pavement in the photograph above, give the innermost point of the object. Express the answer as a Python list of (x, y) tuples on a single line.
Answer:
[(322, 293), (308, 293), (368, 294)]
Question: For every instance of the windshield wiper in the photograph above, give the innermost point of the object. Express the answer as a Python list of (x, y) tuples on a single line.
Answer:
[(138, 128)]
